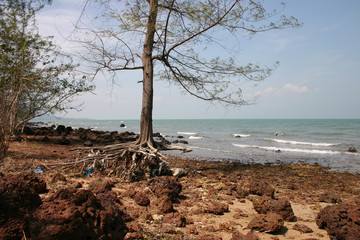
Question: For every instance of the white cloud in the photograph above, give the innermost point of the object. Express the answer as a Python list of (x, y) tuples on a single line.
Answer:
[(294, 88), (286, 88)]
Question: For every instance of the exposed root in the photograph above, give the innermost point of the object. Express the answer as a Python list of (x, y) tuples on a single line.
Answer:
[(129, 161)]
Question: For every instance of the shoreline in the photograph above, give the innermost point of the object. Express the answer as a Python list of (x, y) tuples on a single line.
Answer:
[(206, 185)]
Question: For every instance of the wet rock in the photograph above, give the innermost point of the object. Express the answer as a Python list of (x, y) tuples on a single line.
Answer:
[(239, 236), (165, 186), (79, 214), (162, 205), (352, 149), (282, 207), (271, 222), (141, 199), (302, 228), (330, 198), (261, 188), (341, 221), (60, 129), (122, 125), (175, 219), (68, 130)]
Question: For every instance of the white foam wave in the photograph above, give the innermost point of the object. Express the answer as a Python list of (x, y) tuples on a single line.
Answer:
[(241, 135), (301, 143), (187, 133), (195, 137), (298, 150)]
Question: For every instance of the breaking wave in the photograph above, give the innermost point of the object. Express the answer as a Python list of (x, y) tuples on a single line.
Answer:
[(301, 143)]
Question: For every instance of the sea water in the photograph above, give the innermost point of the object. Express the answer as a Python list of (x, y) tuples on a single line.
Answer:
[(323, 141)]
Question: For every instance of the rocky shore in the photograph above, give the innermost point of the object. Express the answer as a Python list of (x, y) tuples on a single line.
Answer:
[(42, 198)]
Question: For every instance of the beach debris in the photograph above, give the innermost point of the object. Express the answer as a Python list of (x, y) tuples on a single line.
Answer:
[(341, 221), (352, 149), (38, 170), (178, 172)]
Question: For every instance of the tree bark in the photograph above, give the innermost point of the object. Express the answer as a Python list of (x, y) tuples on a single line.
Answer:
[(146, 130)]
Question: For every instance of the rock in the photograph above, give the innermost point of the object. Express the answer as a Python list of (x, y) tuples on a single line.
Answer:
[(341, 221), (88, 143), (241, 192), (134, 236), (166, 228), (64, 141), (271, 222), (60, 129), (162, 205), (165, 186), (330, 198), (302, 228), (282, 207), (239, 236), (18, 199), (352, 149), (141, 199), (122, 125), (28, 130), (79, 214), (45, 139), (175, 219), (68, 130), (261, 188), (216, 208)]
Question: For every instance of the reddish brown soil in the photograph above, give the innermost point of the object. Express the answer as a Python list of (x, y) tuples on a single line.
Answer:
[(211, 201)]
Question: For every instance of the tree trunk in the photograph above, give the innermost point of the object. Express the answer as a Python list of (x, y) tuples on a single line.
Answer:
[(146, 130)]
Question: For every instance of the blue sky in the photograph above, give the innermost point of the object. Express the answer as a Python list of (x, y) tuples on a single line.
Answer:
[(318, 76)]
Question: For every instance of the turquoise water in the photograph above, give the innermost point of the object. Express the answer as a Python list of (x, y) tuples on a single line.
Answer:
[(324, 141)]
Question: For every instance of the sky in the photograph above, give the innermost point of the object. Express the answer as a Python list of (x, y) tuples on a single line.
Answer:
[(318, 76)]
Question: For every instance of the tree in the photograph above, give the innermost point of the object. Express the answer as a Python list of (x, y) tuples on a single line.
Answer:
[(35, 78), (170, 37)]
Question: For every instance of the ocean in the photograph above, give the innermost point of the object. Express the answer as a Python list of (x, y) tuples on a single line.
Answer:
[(322, 141)]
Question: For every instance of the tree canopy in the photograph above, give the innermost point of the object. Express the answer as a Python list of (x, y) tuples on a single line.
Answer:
[(35, 77)]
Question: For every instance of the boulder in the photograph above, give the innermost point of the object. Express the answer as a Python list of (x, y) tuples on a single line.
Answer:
[(162, 205), (175, 219), (330, 198), (60, 129), (352, 149), (141, 199), (282, 207), (341, 221), (18, 199), (261, 188), (165, 185), (79, 214), (239, 236), (271, 222)]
